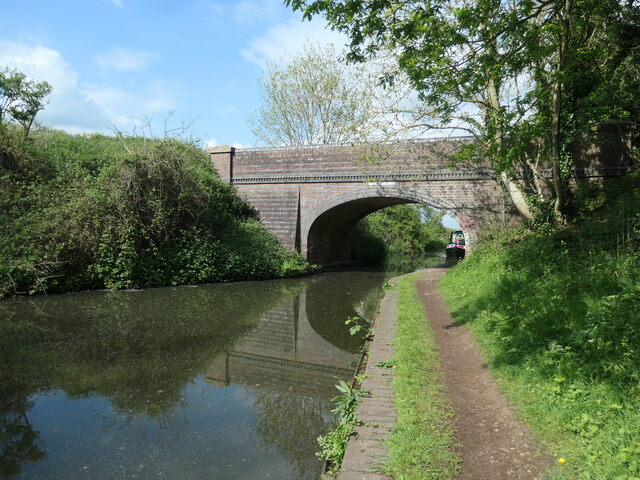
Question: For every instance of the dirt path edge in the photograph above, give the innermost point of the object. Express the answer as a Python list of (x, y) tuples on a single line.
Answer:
[(491, 443)]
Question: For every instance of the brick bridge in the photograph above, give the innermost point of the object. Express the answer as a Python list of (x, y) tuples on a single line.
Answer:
[(311, 197)]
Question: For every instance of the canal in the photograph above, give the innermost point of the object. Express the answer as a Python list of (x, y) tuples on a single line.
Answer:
[(222, 381)]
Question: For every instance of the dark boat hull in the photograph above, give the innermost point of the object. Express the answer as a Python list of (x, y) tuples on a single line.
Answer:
[(454, 251)]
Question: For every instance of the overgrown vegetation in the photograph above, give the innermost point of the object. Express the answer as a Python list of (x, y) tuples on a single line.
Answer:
[(421, 444), (93, 211), (402, 230), (556, 313), (333, 444)]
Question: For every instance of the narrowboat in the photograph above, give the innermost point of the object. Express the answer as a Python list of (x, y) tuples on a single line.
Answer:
[(456, 247)]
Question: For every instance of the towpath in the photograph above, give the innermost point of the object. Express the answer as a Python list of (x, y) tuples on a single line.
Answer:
[(491, 443)]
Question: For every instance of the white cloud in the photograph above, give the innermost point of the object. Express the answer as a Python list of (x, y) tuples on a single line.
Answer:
[(117, 3), (67, 107), (286, 39), (212, 142), (77, 106), (251, 11), (126, 59), (129, 109)]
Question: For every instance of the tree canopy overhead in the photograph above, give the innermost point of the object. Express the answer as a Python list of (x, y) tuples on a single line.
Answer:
[(522, 76)]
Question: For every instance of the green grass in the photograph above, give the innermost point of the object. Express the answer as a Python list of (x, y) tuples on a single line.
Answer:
[(557, 315), (421, 444)]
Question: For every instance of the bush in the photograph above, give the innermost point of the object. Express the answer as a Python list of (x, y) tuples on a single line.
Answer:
[(92, 211)]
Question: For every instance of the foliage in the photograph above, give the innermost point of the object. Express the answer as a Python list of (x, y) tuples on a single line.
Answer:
[(402, 230), (421, 443), (511, 74), (92, 211), (333, 444), (21, 99), (556, 314), (311, 99), (291, 423), (358, 325)]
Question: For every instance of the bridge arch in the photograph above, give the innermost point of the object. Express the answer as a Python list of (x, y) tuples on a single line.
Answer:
[(327, 230), (299, 191)]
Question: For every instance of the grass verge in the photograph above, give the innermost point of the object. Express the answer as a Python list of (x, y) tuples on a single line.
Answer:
[(421, 444), (556, 315)]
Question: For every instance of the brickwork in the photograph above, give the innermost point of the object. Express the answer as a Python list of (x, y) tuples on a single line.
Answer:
[(311, 197), (277, 205), (367, 450)]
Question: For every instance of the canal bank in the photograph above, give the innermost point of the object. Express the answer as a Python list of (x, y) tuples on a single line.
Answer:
[(367, 449), (486, 438)]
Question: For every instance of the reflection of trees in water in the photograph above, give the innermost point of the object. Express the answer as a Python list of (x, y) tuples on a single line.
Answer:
[(292, 423), (406, 264), (138, 349), (367, 305), (332, 299), (18, 440)]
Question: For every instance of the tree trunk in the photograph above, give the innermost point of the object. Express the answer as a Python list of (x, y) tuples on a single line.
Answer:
[(517, 196), (564, 17)]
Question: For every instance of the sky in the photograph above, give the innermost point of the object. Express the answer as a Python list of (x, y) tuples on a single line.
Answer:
[(147, 66)]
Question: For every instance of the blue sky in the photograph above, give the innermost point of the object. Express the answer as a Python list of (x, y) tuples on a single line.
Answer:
[(130, 63), (120, 62)]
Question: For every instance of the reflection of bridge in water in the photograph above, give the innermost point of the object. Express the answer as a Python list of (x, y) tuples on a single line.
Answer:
[(284, 353)]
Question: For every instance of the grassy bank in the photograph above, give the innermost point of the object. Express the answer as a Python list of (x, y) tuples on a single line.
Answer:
[(421, 443), (556, 314), (96, 211)]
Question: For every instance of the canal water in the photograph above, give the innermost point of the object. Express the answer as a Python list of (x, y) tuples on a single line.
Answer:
[(223, 381)]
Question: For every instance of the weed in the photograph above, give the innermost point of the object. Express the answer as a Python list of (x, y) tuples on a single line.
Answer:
[(386, 364), (333, 444), (359, 325)]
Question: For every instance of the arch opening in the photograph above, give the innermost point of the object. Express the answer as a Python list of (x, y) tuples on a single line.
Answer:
[(331, 234)]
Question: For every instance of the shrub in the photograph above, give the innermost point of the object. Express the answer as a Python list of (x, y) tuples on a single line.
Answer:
[(91, 211)]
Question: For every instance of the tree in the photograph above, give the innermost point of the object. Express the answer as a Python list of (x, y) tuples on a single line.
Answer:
[(495, 69), (311, 99), (20, 98)]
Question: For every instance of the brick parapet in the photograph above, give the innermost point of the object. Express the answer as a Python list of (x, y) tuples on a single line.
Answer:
[(319, 161), (222, 161)]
